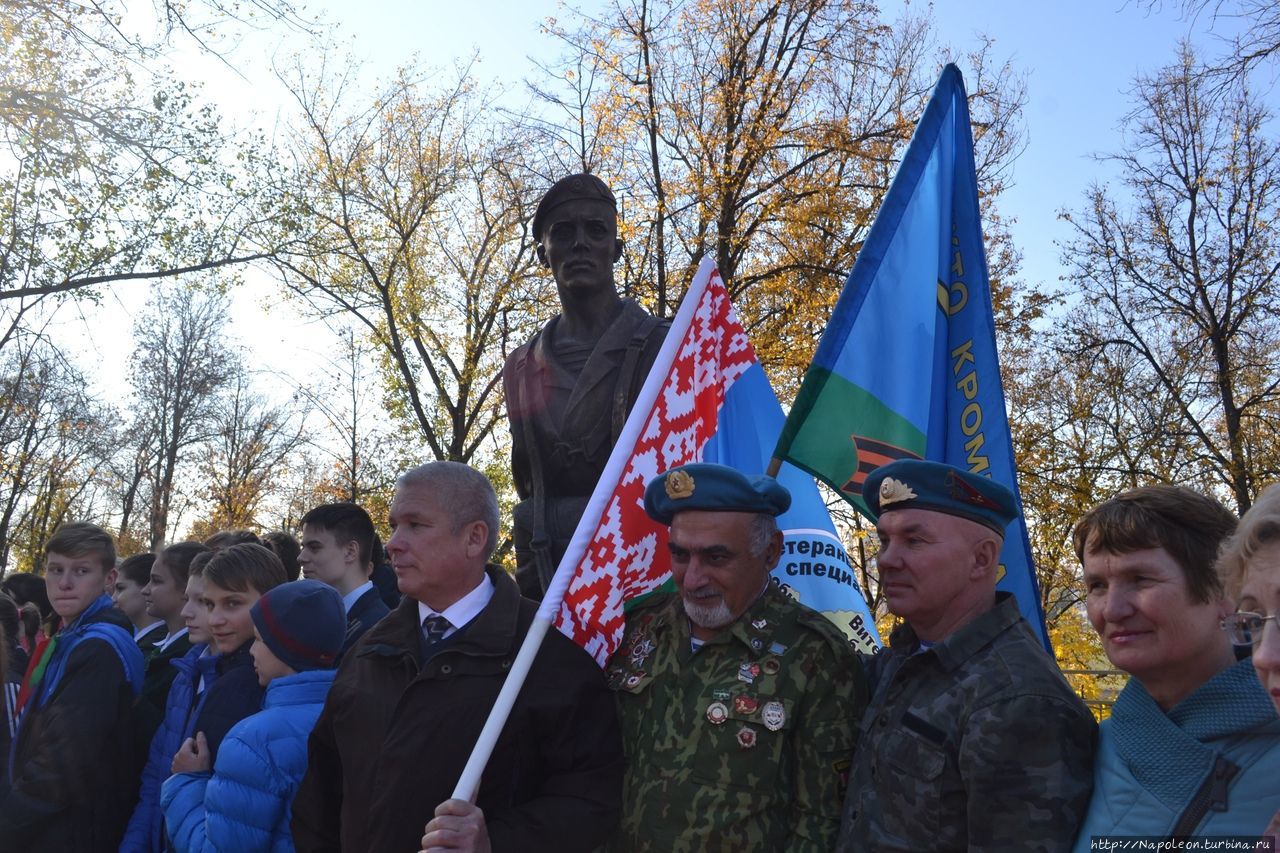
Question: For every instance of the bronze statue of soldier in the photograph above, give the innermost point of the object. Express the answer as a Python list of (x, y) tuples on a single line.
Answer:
[(570, 388)]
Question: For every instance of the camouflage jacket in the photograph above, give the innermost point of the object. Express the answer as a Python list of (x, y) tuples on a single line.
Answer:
[(975, 744), (743, 745)]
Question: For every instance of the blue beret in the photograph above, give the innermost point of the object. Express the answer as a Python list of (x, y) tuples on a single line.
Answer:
[(572, 188), (938, 487), (717, 488)]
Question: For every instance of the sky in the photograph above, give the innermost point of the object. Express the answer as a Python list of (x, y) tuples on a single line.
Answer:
[(1080, 60)]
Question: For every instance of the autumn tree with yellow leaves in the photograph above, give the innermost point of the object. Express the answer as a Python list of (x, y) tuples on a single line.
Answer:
[(763, 133), (247, 452), (410, 215)]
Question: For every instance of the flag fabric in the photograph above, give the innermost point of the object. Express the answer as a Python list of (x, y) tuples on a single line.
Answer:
[(697, 404), (908, 365), (814, 569)]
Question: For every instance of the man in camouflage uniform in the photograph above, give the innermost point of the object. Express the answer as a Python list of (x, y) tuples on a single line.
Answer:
[(973, 740), (737, 703)]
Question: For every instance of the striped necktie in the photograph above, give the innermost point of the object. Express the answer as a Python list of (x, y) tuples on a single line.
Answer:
[(433, 628)]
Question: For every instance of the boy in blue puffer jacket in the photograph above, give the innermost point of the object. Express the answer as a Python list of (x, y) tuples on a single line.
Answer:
[(197, 671), (246, 804)]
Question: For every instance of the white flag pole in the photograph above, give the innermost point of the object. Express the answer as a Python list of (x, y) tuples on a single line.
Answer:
[(469, 783)]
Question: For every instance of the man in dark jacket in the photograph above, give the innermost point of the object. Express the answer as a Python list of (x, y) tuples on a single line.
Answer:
[(73, 770), (410, 699)]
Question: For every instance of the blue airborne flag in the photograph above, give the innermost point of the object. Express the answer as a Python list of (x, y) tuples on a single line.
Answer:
[(908, 364)]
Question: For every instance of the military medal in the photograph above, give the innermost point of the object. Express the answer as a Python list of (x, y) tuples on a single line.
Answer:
[(717, 713), (720, 695), (774, 715), (641, 651), (634, 679), (760, 624), (748, 671), (746, 737), (757, 644), (745, 704), (771, 666), (777, 648)]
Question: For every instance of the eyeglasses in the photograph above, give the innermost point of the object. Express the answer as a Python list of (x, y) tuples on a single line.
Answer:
[(1245, 629)]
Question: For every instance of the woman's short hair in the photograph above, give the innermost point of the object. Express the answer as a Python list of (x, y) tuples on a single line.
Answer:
[(1259, 529), (1189, 526)]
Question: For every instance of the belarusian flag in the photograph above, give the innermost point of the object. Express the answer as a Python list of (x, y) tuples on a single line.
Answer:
[(706, 399)]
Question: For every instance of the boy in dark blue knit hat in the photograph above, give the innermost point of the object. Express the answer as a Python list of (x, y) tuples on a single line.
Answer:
[(246, 804)]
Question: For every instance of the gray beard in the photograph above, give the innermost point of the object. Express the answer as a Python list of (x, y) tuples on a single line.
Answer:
[(710, 616)]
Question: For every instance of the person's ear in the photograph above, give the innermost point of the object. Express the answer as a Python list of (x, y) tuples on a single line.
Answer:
[(986, 558), (477, 538), (773, 553), (542, 257)]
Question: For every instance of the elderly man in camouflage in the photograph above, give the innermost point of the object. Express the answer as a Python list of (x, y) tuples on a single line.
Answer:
[(737, 703), (973, 740)]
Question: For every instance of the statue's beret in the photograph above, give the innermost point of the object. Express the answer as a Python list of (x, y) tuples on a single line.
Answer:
[(572, 188)]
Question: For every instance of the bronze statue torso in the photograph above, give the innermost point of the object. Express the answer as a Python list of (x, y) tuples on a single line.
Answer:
[(566, 404)]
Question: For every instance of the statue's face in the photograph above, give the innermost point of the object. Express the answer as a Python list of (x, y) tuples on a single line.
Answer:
[(580, 244)]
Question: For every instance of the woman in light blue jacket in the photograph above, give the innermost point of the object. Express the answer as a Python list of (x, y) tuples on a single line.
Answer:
[(246, 803), (1192, 746)]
